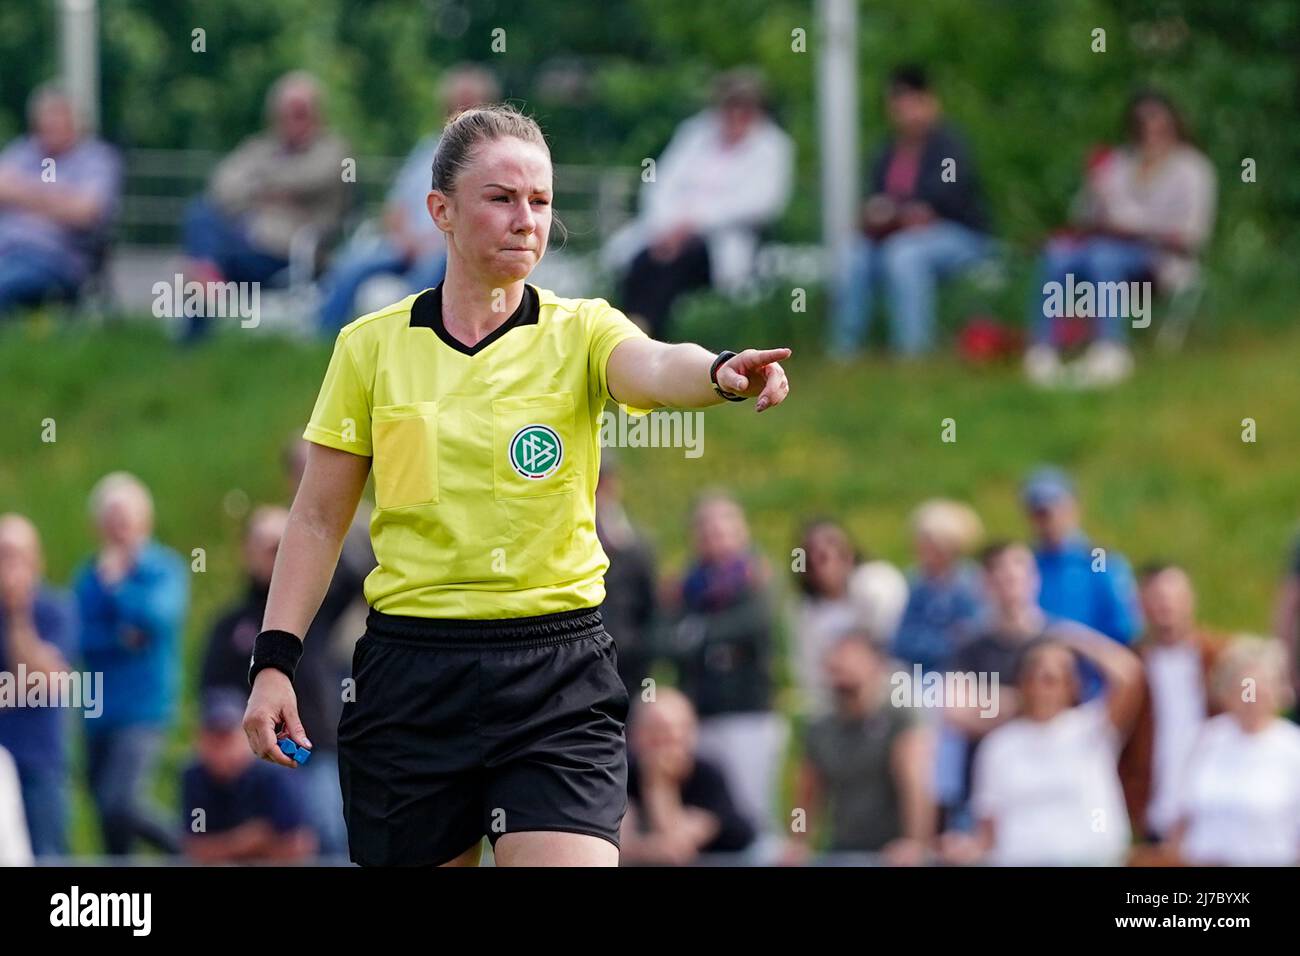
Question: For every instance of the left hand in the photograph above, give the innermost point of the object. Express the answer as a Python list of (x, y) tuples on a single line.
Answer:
[(757, 373)]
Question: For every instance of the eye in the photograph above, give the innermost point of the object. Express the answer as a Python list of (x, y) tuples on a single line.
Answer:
[(542, 202)]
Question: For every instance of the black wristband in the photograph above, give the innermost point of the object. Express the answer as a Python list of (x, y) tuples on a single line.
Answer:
[(718, 362), (278, 649)]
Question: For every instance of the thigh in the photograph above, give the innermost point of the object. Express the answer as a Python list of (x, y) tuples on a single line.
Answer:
[(551, 848), (553, 732), (408, 755), (131, 756)]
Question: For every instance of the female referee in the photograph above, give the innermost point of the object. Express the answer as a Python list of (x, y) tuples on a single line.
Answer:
[(485, 698)]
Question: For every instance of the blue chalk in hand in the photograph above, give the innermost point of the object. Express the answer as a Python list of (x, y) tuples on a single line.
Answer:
[(300, 755)]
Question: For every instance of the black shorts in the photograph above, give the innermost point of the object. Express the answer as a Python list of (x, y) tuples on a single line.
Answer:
[(461, 729)]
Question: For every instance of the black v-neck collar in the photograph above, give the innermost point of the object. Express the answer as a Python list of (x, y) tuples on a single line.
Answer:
[(426, 313)]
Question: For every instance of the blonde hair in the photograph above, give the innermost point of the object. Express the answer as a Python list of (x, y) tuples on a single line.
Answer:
[(1260, 658), (115, 483), (950, 524), (468, 128)]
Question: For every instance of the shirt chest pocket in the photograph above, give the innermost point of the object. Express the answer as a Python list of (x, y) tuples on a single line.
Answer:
[(405, 440), (533, 445)]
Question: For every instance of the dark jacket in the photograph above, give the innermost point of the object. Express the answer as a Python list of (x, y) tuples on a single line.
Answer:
[(960, 201)]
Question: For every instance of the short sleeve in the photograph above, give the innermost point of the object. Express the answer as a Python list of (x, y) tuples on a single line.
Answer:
[(341, 418), (607, 327)]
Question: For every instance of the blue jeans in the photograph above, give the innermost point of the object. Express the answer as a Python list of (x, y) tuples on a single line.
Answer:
[(323, 795), (45, 802), (29, 275), (910, 263), (355, 269), (121, 762), (1095, 259)]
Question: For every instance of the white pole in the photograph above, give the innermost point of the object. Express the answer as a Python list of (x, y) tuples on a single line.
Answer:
[(79, 55), (837, 110)]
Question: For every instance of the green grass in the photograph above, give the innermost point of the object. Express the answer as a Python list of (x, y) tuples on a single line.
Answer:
[(1161, 462)]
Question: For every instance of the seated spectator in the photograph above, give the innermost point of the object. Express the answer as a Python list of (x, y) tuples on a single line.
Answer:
[(842, 592), (1145, 212), (1080, 582), (924, 220), (1046, 791), (867, 766), (235, 807), (38, 631), (679, 805), (275, 187), (726, 174), (1014, 622), (944, 600), (630, 606), (1239, 799), (59, 189), (1179, 658), (15, 847), (411, 247), (230, 643), (724, 648), (132, 596)]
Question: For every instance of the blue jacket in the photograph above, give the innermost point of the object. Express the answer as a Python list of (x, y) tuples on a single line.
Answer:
[(37, 736), (940, 616), (1104, 600), (131, 633)]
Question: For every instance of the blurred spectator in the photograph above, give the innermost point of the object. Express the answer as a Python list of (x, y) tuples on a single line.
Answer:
[(725, 176), (1179, 658), (944, 598), (868, 764), (1239, 799), (1145, 211), (1015, 620), (629, 609), (923, 221), (15, 848), (679, 805), (237, 808), (724, 644), (410, 247), (59, 188), (326, 661), (276, 187), (842, 592), (1046, 791), (230, 642), (38, 630), (1286, 621), (1096, 589), (133, 597)]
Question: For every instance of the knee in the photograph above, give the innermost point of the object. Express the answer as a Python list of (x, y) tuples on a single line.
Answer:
[(903, 260)]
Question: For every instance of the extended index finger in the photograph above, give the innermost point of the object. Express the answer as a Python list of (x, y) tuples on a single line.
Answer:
[(765, 356)]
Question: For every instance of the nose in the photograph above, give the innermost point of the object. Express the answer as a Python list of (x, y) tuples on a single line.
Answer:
[(525, 221)]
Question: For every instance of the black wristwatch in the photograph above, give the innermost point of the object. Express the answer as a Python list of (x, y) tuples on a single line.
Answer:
[(723, 358)]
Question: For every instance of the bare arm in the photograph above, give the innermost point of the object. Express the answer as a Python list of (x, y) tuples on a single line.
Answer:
[(644, 373), (910, 760), (309, 552), (1121, 668)]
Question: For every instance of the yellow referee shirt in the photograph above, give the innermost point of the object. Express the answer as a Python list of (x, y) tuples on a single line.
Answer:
[(485, 458)]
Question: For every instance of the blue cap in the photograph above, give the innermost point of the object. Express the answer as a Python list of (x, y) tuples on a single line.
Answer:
[(1045, 487)]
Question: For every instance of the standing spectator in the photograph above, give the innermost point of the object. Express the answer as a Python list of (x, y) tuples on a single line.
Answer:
[(1046, 791), (1179, 657), (411, 246), (38, 630), (868, 764), (924, 220), (944, 600), (629, 610), (725, 649), (133, 597), (326, 662), (59, 189), (1145, 212), (236, 808), (726, 174), (679, 805), (15, 847), (1080, 582), (273, 189), (1239, 799), (842, 592)]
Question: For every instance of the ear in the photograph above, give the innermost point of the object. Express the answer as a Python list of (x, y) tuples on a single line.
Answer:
[(439, 206)]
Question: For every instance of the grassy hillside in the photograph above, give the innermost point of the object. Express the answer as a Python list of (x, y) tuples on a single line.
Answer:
[(1161, 461)]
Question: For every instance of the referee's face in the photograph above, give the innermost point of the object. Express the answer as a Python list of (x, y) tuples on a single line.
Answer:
[(499, 219)]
